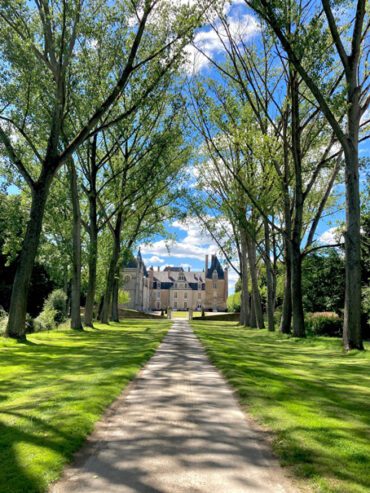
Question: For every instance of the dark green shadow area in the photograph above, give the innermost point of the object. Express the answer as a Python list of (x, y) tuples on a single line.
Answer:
[(313, 396), (55, 387)]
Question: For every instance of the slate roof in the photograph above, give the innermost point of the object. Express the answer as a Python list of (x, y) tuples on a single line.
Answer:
[(215, 265), (167, 278)]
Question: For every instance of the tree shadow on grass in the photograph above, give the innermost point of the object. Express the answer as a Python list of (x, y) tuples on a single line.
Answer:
[(54, 388), (312, 395)]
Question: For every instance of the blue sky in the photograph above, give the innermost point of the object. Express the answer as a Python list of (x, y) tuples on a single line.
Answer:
[(192, 245)]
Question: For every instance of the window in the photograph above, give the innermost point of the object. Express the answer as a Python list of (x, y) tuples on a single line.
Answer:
[(214, 275), (186, 285), (199, 295), (185, 304), (158, 294), (185, 295), (175, 295), (158, 305), (158, 285), (214, 284), (175, 304)]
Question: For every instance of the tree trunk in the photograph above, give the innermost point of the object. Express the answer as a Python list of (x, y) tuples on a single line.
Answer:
[(297, 306), (269, 276), (18, 301), (253, 320), (254, 278), (244, 295), (76, 323), (115, 310), (92, 261), (107, 303), (286, 315), (352, 336)]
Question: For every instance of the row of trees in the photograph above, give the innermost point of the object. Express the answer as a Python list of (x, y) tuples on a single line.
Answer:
[(280, 126), (90, 132), (93, 133)]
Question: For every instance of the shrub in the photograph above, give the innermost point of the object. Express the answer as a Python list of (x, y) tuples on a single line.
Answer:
[(3, 321), (277, 317), (324, 324), (57, 301), (233, 303), (47, 318)]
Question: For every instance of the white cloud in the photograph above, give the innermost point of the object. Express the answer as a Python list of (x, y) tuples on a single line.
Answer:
[(155, 260), (196, 243), (209, 43), (331, 236)]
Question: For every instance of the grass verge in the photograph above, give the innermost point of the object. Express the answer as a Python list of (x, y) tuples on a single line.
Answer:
[(55, 387), (314, 397)]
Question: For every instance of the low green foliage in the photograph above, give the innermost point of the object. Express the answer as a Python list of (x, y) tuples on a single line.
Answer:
[(314, 397), (324, 324), (55, 387), (233, 302), (53, 313)]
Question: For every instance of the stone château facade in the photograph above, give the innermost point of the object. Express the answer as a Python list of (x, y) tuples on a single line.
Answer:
[(175, 288)]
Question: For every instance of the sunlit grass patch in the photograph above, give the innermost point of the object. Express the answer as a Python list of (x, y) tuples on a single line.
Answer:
[(312, 395), (55, 387)]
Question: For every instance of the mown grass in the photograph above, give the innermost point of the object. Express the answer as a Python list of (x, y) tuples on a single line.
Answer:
[(314, 397), (55, 387)]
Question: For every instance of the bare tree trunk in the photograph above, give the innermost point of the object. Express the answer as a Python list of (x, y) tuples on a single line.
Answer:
[(270, 282), (286, 315), (76, 323), (297, 305), (107, 303), (19, 297), (253, 320), (93, 240), (352, 336), (115, 309), (254, 278), (92, 261), (244, 295)]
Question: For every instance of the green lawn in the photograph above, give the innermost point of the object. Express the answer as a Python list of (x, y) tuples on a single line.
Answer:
[(315, 399), (55, 387)]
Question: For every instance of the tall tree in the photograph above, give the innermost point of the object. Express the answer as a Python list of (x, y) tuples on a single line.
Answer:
[(42, 45), (309, 28)]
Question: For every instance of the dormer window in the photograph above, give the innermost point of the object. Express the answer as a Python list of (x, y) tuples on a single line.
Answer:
[(214, 275), (158, 285)]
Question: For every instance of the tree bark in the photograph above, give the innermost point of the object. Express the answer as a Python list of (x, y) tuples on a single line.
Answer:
[(296, 261), (270, 281), (253, 320), (18, 301), (244, 295), (76, 323), (107, 303), (286, 315), (115, 309), (254, 278), (93, 238), (352, 336)]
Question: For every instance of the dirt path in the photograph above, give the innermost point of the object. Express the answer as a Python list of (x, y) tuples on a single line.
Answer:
[(179, 429)]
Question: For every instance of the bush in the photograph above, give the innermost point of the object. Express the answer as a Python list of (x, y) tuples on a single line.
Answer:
[(277, 317), (47, 318), (324, 324), (57, 301), (3, 321), (233, 303)]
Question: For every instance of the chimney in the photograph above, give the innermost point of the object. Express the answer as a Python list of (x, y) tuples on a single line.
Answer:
[(158, 268), (206, 263), (188, 269)]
